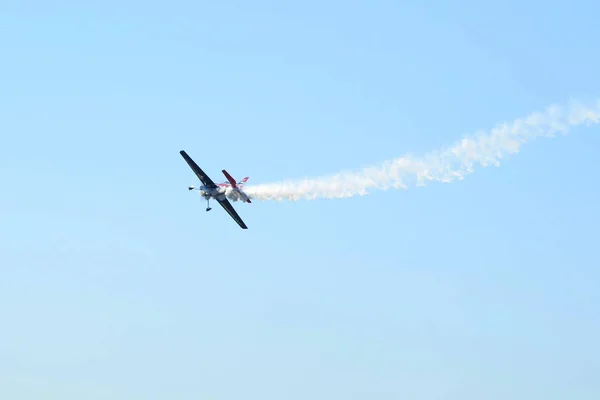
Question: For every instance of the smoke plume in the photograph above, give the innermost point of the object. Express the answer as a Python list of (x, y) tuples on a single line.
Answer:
[(444, 165)]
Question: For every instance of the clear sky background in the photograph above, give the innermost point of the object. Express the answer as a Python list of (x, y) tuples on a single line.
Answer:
[(115, 283)]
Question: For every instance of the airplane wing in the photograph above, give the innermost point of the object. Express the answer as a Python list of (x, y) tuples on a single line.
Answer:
[(198, 171), (229, 208)]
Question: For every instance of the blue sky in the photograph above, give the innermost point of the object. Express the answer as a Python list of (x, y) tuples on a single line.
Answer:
[(117, 284)]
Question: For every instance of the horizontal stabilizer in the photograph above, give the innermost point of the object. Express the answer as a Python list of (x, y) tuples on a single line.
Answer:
[(230, 178)]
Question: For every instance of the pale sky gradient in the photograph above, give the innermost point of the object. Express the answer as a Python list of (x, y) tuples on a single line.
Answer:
[(116, 284)]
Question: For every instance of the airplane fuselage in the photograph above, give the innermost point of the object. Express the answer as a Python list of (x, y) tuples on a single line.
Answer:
[(212, 193), (221, 192)]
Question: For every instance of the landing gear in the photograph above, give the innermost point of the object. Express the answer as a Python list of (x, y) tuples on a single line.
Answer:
[(208, 205)]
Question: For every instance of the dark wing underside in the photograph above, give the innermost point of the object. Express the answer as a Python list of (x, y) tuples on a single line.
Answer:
[(229, 208), (210, 184), (198, 171)]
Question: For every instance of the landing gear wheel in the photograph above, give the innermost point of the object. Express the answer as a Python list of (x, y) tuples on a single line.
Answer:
[(208, 209)]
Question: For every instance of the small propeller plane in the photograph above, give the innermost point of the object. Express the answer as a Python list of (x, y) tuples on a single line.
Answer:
[(210, 190)]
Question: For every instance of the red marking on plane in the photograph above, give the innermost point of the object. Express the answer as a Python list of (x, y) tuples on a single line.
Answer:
[(232, 183)]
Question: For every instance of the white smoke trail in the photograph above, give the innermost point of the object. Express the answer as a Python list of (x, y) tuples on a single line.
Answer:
[(445, 165)]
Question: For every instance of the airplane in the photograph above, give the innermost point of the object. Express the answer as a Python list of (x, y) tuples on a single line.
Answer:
[(210, 190)]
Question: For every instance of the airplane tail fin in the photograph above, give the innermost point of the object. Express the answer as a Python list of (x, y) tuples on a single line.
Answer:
[(233, 182), (243, 181), (239, 184)]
